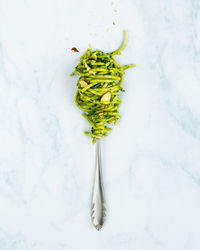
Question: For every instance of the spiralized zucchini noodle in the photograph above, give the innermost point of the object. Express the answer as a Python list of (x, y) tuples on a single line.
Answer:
[(100, 81)]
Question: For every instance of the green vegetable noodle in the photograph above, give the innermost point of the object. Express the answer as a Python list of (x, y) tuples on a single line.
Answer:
[(100, 81)]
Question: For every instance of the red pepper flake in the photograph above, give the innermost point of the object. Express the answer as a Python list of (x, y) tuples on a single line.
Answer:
[(74, 49)]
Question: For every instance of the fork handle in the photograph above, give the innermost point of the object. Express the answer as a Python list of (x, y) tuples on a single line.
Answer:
[(98, 210)]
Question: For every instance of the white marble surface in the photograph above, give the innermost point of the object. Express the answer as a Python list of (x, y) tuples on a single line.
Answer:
[(151, 160)]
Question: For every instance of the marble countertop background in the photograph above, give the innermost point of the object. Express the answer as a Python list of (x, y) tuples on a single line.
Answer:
[(151, 160)]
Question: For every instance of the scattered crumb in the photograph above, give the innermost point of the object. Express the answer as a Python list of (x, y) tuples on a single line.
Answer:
[(112, 3), (74, 49), (113, 22), (67, 38), (107, 30), (115, 11), (90, 45)]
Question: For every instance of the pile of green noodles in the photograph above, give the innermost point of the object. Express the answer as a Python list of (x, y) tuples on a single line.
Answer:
[(100, 81)]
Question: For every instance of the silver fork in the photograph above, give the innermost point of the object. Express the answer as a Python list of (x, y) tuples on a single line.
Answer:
[(98, 210)]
